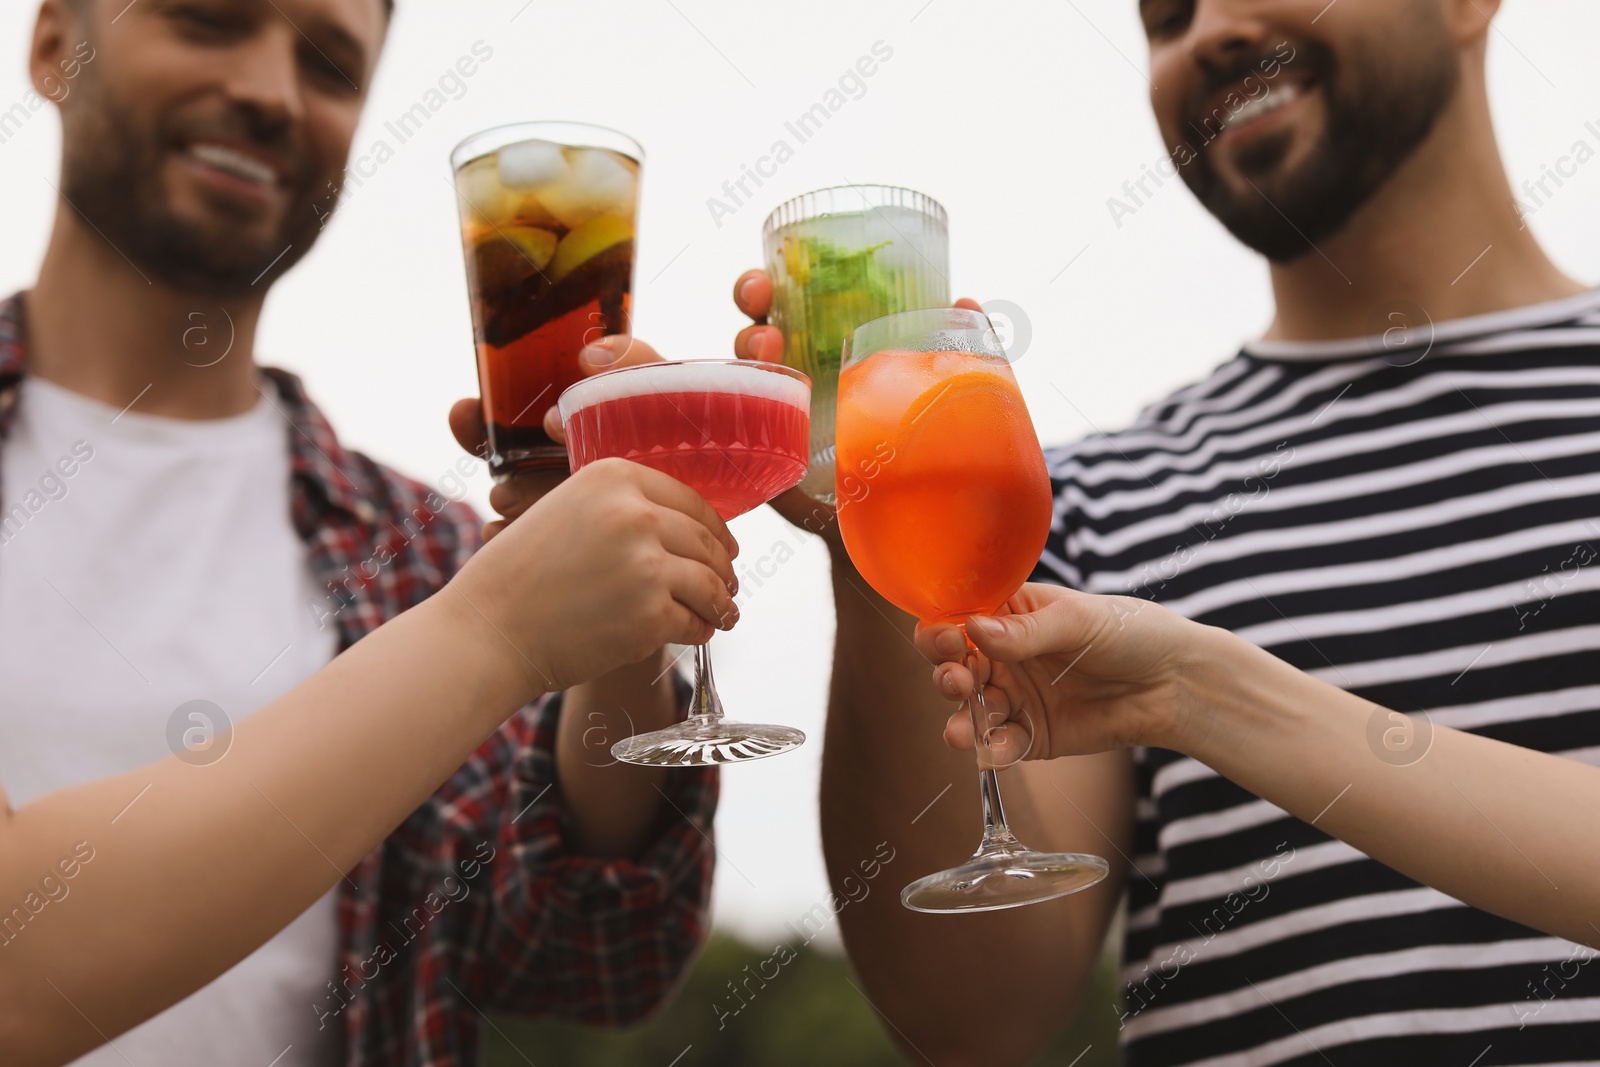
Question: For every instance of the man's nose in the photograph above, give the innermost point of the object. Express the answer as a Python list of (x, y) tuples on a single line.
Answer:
[(1221, 29), (265, 78)]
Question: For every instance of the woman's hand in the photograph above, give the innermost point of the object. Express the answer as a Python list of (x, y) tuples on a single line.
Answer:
[(1067, 673), (610, 565)]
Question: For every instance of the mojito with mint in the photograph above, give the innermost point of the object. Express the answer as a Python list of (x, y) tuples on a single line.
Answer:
[(840, 257)]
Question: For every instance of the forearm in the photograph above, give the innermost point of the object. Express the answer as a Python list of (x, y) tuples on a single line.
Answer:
[(194, 867), (1491, 824), (612, 805), (886, 772), (888, 777)]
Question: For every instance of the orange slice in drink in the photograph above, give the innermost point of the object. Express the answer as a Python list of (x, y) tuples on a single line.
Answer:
[(973, 472)]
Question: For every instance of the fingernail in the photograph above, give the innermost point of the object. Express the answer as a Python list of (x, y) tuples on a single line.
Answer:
[(598, 354), (948, 685), (744, 290), (986, 626)]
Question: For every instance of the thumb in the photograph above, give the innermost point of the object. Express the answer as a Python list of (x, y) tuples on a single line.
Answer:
[(615, 351), (1064, 625)]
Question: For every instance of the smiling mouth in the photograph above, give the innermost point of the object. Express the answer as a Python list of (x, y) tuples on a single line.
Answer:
[(1221, 118), (234, 163), (1266, 104)]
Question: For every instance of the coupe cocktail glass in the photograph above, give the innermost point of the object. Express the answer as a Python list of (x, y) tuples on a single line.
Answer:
[(735, 432), (950, 525)]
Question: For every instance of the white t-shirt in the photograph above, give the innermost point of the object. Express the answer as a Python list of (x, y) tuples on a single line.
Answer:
[(153, 562)]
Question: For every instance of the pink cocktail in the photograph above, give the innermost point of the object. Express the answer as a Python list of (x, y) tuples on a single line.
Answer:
[(737, 433), (734, 432)]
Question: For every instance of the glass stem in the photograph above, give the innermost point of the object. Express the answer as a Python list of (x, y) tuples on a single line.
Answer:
[(706, 705), (996, 835)]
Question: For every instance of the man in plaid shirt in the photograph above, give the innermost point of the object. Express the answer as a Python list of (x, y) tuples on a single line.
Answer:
[(541, 879)]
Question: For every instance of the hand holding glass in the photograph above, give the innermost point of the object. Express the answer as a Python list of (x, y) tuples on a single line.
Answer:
[(735, 432)]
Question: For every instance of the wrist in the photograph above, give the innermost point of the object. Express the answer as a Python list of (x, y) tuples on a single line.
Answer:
[(483, 649), (1230, 691)]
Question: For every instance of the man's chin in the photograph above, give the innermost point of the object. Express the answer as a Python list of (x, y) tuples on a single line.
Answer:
[(1265, 158), (206, 253), (1258, 217), (221, 269), (1263, 166), (219, 220), (1255, 203)]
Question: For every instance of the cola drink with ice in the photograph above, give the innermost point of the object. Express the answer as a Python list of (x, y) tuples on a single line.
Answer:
[(547, 220)]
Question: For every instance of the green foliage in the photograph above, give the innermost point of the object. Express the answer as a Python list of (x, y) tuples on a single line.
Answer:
[(811, 1012)]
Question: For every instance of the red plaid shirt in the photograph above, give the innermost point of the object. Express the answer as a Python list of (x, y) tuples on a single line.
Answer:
[(475, 904)]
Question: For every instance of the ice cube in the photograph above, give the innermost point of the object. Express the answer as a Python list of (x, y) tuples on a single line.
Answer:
[(529, 164), (598, 182), (480, 195)]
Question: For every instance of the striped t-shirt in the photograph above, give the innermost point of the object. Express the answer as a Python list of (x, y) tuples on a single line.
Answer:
[(1412, 517)]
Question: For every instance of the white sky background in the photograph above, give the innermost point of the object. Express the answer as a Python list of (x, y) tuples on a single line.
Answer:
[(1022, 118)]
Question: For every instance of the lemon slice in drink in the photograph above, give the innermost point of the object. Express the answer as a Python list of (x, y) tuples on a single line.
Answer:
[(533, 244), (587, 241), (539, 246)]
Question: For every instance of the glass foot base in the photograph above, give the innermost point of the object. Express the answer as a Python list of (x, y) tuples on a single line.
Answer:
[(1004, 878), (702, 742)]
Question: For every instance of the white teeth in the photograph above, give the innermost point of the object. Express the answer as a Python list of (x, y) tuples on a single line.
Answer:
[(1265, 104), (236, 163)]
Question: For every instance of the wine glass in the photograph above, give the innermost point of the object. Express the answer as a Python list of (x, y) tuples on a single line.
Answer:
[(736, 432), (944, 506)]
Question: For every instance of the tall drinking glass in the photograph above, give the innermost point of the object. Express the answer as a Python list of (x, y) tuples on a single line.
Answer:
[(548, 213), (839, 257), (949, 525), (735, 432)]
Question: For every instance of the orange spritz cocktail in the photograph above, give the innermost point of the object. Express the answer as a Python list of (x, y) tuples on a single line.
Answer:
[(952, 523), (944, 506)]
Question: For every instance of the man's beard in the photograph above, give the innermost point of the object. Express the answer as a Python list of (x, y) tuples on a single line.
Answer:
[(1378, 110), (111, 176)]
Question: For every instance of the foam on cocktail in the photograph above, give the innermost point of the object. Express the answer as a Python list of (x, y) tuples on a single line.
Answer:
[(735, 432), (687, 377)]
